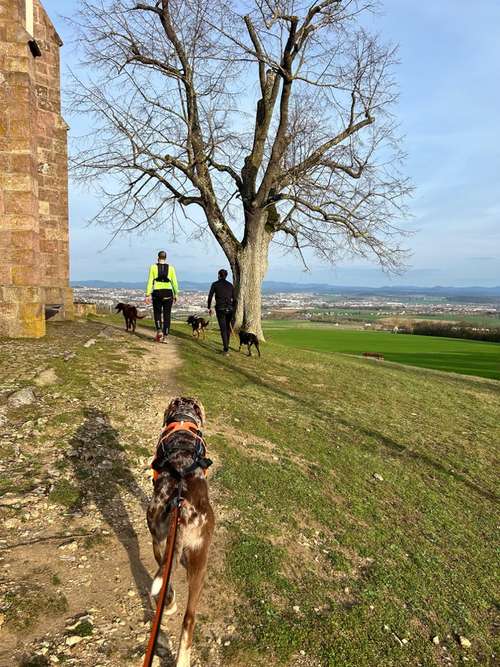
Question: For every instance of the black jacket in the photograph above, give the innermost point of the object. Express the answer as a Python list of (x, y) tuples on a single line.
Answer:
[(224, 295)]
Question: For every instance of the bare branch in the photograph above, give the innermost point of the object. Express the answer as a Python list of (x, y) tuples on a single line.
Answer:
[(268, 119)]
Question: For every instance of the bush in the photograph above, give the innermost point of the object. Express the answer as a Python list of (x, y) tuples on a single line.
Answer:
[(460, 330)]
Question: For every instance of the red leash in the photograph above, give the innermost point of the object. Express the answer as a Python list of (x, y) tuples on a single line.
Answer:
[(167, 570)]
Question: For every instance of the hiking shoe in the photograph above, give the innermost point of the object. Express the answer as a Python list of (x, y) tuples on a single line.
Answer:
[(164, 339), (158, 337)]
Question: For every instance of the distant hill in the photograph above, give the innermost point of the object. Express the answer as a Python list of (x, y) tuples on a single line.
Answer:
[(270, 287)]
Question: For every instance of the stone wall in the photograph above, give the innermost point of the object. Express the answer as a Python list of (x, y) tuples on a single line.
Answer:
[(84, 308), (34, 257)]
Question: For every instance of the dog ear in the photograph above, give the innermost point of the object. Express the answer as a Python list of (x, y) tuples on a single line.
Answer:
[(199, 410), (172, 408)]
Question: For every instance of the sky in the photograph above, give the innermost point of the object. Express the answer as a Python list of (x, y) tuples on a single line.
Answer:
[(448, 112)]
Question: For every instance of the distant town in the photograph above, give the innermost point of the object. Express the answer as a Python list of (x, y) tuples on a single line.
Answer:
[(343, 309)]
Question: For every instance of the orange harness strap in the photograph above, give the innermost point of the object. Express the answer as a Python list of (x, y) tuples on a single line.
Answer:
[(168, 430)]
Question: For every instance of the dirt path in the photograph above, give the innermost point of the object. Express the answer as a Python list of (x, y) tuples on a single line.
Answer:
[(75, 549)]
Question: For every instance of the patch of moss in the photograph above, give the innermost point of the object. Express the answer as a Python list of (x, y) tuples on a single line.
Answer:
[(65, 494), (28, 602), (16, 485), (92, 541), (34, 661), (83, 629)]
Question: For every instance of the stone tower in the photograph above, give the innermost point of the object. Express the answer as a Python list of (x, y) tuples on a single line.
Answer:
[(34, 256)]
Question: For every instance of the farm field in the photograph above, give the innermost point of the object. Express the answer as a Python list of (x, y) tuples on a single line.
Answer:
[(445, 354), (346, 315)]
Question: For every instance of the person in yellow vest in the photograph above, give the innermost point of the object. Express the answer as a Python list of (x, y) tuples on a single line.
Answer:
[(163, 289)]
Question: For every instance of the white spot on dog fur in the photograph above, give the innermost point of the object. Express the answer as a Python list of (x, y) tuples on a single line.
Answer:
[(184, 655), (192, 538), (156, 586)]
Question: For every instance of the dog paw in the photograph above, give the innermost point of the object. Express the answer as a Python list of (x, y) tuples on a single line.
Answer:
[(184, 658), (170, 611)]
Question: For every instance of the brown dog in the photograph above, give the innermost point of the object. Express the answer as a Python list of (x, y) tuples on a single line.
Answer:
[(180, 461), (198, 324), (130, 314)]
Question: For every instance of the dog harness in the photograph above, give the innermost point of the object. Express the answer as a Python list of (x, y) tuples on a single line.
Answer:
[(165, 450)]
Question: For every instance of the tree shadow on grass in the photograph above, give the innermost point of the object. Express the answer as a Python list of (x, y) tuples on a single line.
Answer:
[(323, 414), (103, 475)]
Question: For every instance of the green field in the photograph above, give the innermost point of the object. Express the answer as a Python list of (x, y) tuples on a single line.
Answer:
[(361, 315), (357, 501), (445, 354)]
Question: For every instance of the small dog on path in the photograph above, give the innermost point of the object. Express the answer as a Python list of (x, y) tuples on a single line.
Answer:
[(180, 461), (130, 315), (198, 324)]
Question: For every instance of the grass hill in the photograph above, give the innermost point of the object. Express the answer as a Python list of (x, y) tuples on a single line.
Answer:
[(355, 502), (362, 502)]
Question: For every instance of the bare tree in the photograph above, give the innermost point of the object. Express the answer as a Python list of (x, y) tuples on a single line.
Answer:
[(261, 120)]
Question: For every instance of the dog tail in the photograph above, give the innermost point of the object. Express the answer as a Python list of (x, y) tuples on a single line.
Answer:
[(140, 317)]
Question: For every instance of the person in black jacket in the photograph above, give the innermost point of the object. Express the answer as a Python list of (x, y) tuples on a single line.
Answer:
[(223, 291)]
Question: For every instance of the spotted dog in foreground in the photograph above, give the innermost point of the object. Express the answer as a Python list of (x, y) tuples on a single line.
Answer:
[(180, 461), (130, 314), (198, 324)]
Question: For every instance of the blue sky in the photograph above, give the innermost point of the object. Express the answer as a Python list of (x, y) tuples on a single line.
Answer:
[(450, 53)]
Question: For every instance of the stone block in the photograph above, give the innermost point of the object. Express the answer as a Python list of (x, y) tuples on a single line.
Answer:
[(30, 321), (19, 128), (16, 182), (20, 203), (13, 294), (20, 144), (17, 64), (4, 242), (5, 274), (21, 277), (44, 208), (84, 309), (13, 222), (27, 239), (21, 163), (7, 310)]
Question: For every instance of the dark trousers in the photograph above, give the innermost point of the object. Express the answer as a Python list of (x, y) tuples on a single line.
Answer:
[(224, 318), (162, 309)]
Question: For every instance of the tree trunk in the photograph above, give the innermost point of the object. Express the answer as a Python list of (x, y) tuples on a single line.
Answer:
[(249, 269)]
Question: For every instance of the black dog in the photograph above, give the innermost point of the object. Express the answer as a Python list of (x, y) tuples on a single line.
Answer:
[(248, 339), (130, 314), (199, 324)]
